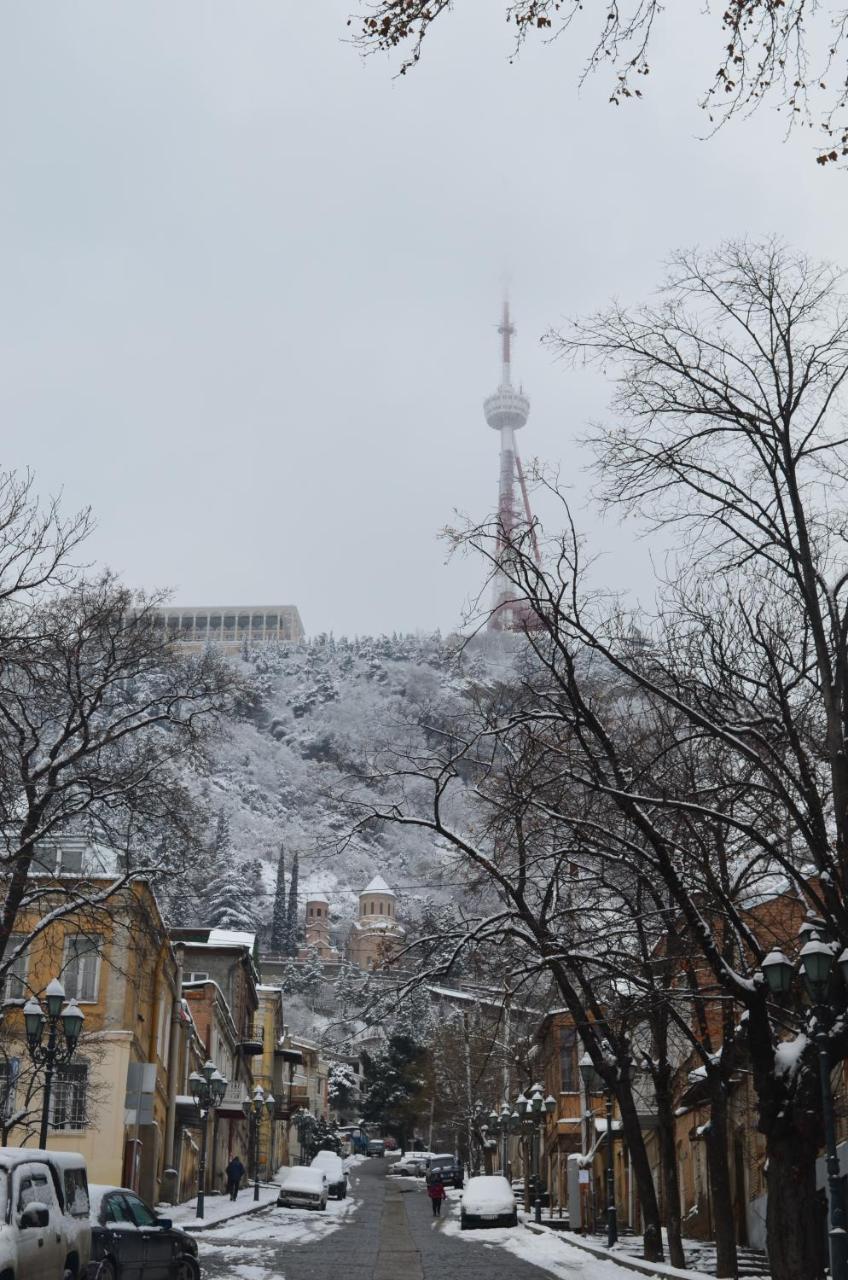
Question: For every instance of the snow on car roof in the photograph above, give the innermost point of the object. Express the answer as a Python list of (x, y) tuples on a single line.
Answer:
[(22, 1155), (300, 1175)]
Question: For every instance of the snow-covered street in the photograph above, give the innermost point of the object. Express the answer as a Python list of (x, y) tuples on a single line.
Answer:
[(385, 1231)]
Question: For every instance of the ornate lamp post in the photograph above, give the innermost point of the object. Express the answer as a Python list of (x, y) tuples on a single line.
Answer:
[(35, 1020), (527, 1118), (207, 1089), (816, 965), (253, 1110), (593, 1083)]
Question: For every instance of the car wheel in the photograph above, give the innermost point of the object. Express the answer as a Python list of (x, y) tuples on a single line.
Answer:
[(102, 1270), (187, 1269)]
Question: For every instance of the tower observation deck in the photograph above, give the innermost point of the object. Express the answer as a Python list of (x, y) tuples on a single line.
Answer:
[(505, 412)]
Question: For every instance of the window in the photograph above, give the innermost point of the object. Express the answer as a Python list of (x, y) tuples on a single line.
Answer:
[(568, 1074), (14, 980), (70, 858), (200, 623), (75, 1186), (81, 968), (215, 623), (116, 1209), (34, 1186), (141, 1215), (9, 1072), (68, 1100), (381, 908), (196, 977)]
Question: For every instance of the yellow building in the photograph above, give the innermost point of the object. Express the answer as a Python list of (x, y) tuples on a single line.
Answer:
[(110, 1101)]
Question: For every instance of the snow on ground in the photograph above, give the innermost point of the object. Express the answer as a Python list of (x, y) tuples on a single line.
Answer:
[(250, 1245), (217, 1208), (548, 1251)]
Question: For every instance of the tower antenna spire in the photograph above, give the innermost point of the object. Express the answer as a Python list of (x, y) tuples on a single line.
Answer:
[(506, 411)]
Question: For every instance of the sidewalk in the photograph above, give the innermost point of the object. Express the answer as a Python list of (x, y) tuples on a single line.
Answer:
[(621, 1256), (219, 1208)]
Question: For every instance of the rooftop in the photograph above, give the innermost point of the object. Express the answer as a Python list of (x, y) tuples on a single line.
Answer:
[(378, 885)]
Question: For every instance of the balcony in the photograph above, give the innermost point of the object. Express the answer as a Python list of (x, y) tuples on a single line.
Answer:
[(252, 1041), (234, 1099)]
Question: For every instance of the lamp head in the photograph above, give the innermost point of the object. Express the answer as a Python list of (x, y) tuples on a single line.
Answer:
[(54, 998), (778, 970), (521, 1105), (196, 1085), (217, 1087), (72, 1020), (270, 1103), (550, 1104), (34, 1021), (209, 1069), (816, 964)]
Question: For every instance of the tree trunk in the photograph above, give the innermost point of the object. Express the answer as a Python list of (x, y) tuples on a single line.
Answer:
[(727, 1263), (641, 1166), (793, 1222), (668, 1164)]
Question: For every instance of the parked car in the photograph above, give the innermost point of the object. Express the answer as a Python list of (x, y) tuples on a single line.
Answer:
[(391, 1144), (487, 1201), (44, 1230), (448, 1168), (303, 1188), (333, 1166), (377, 1147), (131, 1242)]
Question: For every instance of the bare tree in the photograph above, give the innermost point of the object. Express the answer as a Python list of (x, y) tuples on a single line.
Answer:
[(787, 54)]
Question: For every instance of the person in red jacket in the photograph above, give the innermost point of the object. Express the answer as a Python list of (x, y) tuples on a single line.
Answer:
[(436, 1192)]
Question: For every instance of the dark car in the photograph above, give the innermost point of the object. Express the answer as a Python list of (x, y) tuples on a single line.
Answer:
[(130, 1242), (447, 1169)]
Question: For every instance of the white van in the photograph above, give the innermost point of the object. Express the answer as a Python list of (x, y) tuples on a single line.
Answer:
[(44, 1228)]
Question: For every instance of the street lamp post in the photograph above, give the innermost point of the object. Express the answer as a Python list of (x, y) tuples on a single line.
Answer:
[(526, 1118), (207, 1088), (816, 964), (253, 1110), (594, 1084), (35, 1020)]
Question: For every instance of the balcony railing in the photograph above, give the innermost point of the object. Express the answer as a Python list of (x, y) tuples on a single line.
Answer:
[(252, 1041)]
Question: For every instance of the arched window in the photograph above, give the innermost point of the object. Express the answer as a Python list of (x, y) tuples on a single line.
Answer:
[(310, 911), (381, 908), (372, 908)]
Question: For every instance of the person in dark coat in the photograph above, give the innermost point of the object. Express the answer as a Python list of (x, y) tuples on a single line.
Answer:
[(235, 1173), (436, 1192)]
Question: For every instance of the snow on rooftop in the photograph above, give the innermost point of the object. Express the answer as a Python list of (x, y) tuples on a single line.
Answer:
[(378, 885), (231, 938), (315, 895)]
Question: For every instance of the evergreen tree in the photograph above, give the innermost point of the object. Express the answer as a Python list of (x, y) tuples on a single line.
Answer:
[(312, 976), (290, 978), (232, 899), (292, 911), (394, 1083), (280, 917)]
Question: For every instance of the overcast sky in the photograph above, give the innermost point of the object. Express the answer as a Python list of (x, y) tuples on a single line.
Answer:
[(250, 282)]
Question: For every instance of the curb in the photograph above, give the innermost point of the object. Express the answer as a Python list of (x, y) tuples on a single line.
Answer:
[(196, 1225), (656, 1270)]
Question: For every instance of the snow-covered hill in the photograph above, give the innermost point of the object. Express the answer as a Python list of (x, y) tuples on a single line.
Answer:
[(320, 714)]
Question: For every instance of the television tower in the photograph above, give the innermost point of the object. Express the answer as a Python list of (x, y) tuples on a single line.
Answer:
[(505, 412)]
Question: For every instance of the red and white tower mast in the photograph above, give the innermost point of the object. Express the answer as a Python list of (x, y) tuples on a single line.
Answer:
[(505, 412)]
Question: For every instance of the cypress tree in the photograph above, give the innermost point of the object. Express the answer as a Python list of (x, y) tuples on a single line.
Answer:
[(292, 911), (280, 919)]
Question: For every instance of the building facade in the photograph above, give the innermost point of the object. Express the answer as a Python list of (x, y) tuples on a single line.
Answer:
[(376, 935), (231, 626)]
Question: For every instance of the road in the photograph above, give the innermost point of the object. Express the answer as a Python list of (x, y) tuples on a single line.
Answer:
[(384, 1231)]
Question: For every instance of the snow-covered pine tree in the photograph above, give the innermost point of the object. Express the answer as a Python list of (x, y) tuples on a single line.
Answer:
[(280, 916), (312, 976), (290, 978), (292, 911), (232, 900)]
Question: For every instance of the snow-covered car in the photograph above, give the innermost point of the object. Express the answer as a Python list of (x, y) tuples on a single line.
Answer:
[(412, 1165), (44, 1231), (129, 1240), (487, 1201), (333, 1166), (303, 1188)]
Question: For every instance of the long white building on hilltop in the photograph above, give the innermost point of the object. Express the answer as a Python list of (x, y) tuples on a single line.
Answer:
[(231, 625)]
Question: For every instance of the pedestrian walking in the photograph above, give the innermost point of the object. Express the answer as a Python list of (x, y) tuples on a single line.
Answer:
[(235, 1173), (436, 1192)]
